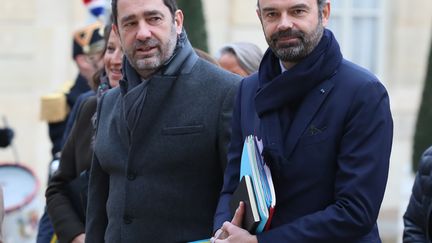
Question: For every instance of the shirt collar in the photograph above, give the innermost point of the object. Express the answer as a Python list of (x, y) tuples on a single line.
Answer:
[(283, 69)]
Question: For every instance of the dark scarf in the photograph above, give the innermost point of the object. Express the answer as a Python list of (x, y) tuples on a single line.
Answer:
[(280, 94), (104, 85), (134, 90)]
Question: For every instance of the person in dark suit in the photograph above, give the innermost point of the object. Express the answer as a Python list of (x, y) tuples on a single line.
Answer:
[(87, 48), (158, 163), (418, 215), (326, 128)]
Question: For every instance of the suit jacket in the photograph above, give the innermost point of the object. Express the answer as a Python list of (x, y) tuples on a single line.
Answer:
[(418, 216), (158, 179), (76, 157), (331, 187)]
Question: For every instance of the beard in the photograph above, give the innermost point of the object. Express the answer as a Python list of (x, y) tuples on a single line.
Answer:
[(295, 52), (149, 63)]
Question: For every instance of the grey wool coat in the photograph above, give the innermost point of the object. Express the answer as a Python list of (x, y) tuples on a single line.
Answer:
[(160, 152)]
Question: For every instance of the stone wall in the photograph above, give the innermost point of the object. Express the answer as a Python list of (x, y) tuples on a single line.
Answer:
[(35, 59)]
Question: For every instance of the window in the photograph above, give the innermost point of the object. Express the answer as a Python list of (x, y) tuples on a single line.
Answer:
[(359, 26)]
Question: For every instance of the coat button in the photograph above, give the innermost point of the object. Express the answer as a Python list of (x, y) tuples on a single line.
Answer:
[(127, 219), (131, 176)]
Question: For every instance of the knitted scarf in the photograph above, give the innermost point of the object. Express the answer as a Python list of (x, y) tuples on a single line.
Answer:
[(134, 89), (279, 94)]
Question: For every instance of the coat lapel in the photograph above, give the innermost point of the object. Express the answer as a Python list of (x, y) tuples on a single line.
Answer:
[(306, 113)]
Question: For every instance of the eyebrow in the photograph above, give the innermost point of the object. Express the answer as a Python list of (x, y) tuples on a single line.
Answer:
[(146, 13), (297, 6), (267, 9), (127, 18), (153, 12), (300, 5)]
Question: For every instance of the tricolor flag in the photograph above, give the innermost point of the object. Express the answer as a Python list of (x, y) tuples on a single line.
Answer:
[(96, 7)]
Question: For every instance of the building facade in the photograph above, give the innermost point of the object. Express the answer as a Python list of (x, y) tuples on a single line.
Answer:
[(391, 38)]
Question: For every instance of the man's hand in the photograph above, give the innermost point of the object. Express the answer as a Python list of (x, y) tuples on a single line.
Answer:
[(79, 238), (232, 231), (237, 219), (236, 235)]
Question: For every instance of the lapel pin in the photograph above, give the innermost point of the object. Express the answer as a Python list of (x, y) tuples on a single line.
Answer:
[(322, 91)]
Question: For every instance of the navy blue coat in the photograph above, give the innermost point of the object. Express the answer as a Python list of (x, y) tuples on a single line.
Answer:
[(339, 143)]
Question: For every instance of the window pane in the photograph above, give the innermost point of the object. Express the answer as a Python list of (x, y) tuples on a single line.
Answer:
[(365, 37), (337, 4), (365, 4), (335, 25)]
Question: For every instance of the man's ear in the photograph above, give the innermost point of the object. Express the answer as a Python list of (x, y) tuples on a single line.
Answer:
[(258, 12), (326, 14), (178, 20)]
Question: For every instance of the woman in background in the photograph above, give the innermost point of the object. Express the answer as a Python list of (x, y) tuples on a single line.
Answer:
[(67, 210), (242, 58)]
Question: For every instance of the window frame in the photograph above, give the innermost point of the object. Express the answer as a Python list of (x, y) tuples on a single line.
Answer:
[(346, 13)]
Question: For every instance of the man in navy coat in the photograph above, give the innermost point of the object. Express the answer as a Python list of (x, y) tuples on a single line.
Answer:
[(327, 132)]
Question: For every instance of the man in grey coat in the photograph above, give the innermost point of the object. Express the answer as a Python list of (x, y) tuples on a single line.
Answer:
[(161, 143)]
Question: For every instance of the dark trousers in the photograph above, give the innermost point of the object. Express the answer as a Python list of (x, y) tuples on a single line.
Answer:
[(45, 231)]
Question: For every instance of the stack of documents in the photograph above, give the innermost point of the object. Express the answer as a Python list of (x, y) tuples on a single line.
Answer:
[(255, 179)]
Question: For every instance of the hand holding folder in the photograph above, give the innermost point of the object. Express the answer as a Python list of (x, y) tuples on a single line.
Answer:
[(256, 180), (245, 193), (232, 228)]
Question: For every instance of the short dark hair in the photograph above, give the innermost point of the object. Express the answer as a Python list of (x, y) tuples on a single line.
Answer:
[(321, 5), (171, 4)]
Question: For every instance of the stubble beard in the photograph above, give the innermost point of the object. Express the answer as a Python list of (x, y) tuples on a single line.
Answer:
[(295, 52), (147, 65)]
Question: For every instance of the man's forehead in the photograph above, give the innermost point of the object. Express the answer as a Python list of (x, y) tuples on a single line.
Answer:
[(128, 7), (275, 3)]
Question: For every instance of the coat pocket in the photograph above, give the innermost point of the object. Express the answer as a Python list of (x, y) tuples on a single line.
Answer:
[(182, 130), (313, 137)]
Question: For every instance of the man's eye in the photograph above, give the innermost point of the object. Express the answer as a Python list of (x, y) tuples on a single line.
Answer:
[(271, 15), (155, 19), (299, 12), (129, 24)]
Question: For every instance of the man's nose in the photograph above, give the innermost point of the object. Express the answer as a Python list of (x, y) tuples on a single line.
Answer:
[(285, 22), (143, 31)]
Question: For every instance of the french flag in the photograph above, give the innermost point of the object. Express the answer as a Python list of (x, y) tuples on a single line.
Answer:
[(96, 7)]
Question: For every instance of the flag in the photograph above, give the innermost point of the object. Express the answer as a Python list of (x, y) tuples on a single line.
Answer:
[(96, 7)]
